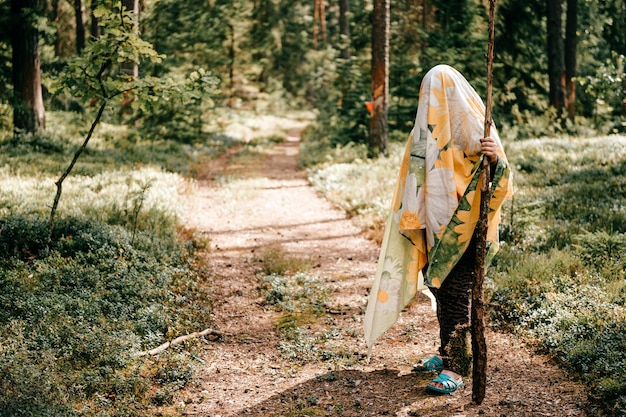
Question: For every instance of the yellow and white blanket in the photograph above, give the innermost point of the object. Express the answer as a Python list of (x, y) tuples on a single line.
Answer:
[(436, 202)]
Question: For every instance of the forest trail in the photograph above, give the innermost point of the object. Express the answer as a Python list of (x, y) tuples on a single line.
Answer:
[(246, 204)]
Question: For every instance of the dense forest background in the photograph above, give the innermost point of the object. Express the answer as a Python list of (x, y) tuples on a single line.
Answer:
[(559, 64)]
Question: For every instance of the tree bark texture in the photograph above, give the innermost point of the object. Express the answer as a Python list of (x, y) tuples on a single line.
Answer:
[(131, 68), (79, 10), (571, 26), (95, 30), (322, 4), (28, 108), (556, 66), (319, 17), (479, 345), (380, 77)]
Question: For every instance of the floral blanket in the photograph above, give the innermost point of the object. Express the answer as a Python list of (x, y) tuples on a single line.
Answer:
[(436, 202)]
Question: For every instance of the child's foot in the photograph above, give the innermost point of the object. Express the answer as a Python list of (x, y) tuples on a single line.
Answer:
[(446, 383), (433, 363)]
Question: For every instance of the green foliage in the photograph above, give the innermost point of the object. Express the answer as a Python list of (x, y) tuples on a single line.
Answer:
[(301, 301), (297, 293), (113, 281), (113, 147), (604, 252), (96, 73), (174, 109), (561, 306), (276, 262), (605, 86), (74, 316), (557, 179)]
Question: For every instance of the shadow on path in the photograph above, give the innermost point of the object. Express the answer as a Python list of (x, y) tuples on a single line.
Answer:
[(368, 395)]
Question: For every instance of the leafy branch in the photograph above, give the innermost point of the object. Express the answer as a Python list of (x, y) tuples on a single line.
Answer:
[(96, 77)]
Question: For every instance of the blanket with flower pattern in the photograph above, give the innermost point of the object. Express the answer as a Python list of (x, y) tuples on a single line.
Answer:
[(436, 201)]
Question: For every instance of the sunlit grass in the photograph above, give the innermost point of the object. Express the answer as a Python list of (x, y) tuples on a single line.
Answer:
[(99, 197), (362, 188)]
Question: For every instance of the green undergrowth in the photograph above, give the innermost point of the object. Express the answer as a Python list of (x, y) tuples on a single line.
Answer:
[(300, 301), (118, 277), (75, 314), (559, 280)]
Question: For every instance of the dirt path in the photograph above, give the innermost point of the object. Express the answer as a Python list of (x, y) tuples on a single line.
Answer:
[(267, 202)]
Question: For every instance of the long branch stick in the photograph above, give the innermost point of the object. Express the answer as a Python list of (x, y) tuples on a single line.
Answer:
[(479, 345)]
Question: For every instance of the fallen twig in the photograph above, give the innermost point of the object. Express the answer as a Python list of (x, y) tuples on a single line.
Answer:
[(179, 340)]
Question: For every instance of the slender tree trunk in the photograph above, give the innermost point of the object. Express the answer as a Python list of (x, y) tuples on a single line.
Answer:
[(316, 16), (380, 77), (344, 28), (556, 66), (95, 29), (131, 68), (231, 65), (55, 6), (79, 10), (322, 4), (570, 57), (28, 108)]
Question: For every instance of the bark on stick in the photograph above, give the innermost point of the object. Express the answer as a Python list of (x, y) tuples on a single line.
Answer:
[(479, 345)]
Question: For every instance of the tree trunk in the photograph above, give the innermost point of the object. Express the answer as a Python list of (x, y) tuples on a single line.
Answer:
[(316, 11), (95, 30), (570, 57), (28, 109), (131, 68), (556, 66), (322, 4), (231, 66), (344, 28), (79, 10), (380, 77)]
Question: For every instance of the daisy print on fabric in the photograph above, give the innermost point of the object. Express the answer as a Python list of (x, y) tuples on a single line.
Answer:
[(440, 193), (410, 207), (389, 290)]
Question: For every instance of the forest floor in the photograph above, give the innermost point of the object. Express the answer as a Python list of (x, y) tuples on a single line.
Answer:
[(244, 372)]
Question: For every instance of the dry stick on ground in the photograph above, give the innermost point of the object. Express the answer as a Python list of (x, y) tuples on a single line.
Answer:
[(479, 346), (178, 340)]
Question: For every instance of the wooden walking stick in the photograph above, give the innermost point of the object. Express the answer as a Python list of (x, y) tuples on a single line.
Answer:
[(479, 345)]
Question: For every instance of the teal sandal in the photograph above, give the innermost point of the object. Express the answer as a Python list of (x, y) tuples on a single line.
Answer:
[(449, 384), (433, 363)]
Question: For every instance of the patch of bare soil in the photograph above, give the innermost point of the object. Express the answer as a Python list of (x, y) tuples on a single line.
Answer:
[(244, 373)]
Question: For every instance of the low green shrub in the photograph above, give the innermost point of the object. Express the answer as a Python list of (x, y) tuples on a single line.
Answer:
[(296, 293), (275, 262), (76, 313), (558, 301)]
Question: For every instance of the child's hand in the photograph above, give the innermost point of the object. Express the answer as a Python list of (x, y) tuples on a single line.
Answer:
[(489, 149)]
